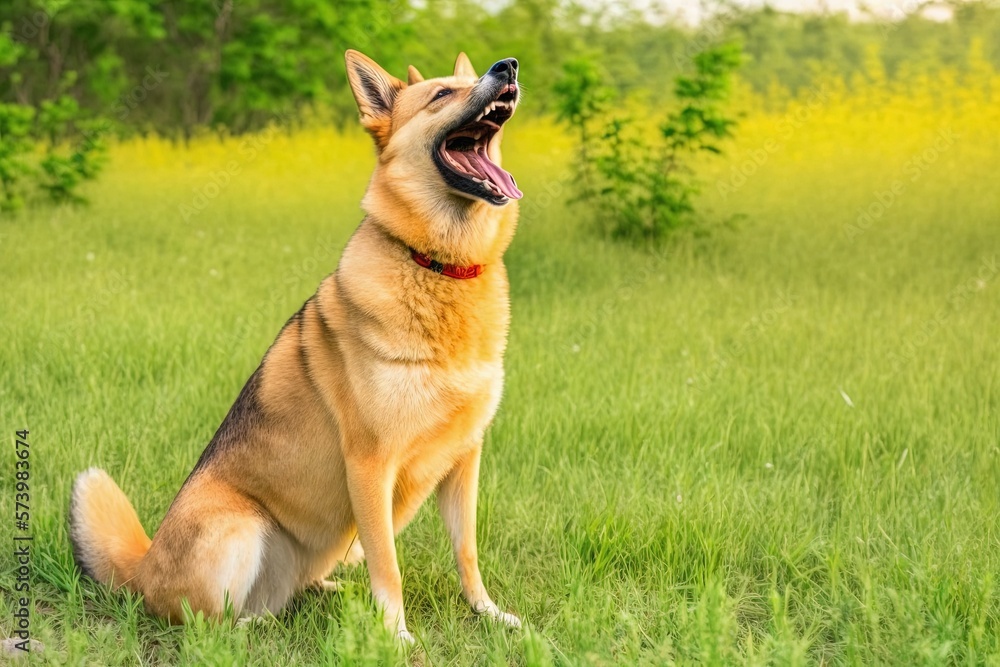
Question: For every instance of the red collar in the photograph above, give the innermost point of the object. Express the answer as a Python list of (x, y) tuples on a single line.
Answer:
[(450, 270)]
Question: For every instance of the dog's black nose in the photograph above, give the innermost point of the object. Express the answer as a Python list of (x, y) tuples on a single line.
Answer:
[(507, 66)]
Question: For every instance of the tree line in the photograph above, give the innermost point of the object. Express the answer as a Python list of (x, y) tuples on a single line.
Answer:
[(176, 66), (75, 72)]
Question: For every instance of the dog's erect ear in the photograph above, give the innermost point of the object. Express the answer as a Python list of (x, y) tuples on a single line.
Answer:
[(463, 67), (413, 75), (375, 91)]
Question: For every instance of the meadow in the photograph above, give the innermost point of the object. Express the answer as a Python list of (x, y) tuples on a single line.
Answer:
[(775, 443)]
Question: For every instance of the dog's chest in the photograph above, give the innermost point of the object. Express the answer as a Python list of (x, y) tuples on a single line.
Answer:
[(407, 402), (426, 364)]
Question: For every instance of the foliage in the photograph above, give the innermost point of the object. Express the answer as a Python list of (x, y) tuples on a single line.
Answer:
[(62, 124), (73, 151), (580, 94), (73, 147), (63, 174), (15, 148), (176, 65), (641, 186), (15, 128), (173, 66), (581, 98)]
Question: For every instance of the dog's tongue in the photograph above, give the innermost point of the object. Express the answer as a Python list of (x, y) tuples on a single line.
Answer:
[(500, 178)]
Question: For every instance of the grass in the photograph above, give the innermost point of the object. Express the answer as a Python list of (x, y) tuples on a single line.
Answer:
[(775, 445)]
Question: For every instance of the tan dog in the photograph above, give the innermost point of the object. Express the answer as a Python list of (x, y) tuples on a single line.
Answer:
[(376, 393)]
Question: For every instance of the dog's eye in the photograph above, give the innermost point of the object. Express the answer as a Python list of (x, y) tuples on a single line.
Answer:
[(442, 93)]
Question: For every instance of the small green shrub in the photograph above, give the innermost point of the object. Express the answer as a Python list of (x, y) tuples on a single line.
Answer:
[(70, 145), (53, 150), (75, 150), (642, 186), (16, 123)]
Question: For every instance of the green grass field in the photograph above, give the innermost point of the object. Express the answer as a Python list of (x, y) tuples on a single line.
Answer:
[(778, 444)]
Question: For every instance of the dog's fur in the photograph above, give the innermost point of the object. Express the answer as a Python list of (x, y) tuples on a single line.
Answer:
[(375, 394)]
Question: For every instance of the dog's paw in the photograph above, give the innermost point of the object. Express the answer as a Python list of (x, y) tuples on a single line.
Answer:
[(328, 586), (490, 610), (356, 555), (510, 620), (405, 638), (252, 620)]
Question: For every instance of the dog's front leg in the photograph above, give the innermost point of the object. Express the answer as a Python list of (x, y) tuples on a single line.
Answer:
[(370, 484), (457, 501)]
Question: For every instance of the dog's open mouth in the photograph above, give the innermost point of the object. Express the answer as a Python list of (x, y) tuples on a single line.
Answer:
[(463, 155)]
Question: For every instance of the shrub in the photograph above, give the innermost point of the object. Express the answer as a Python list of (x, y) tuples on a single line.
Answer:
[(73, 145), (61, 123), (642, 186), (15, 146)]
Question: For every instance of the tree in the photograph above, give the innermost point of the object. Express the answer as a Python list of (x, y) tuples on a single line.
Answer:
[(183, 64)]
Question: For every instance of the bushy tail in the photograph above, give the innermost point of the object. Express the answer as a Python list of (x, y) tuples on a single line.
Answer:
[(108, 540)]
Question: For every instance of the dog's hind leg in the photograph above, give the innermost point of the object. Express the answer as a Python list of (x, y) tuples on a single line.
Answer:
[(210, 552), (328, 586), (348, 554)]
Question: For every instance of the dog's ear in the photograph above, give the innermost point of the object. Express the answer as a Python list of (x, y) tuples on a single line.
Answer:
[(463, 67), (375, 91), (413, 75)]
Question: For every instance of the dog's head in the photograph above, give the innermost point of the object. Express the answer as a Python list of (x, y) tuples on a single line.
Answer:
[(438, 184), (443, 132)]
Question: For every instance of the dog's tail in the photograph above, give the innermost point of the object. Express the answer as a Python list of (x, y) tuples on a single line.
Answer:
[(108, 540)]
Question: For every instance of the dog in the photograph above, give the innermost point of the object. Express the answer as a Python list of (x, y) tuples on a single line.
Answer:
[(375, 394)]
